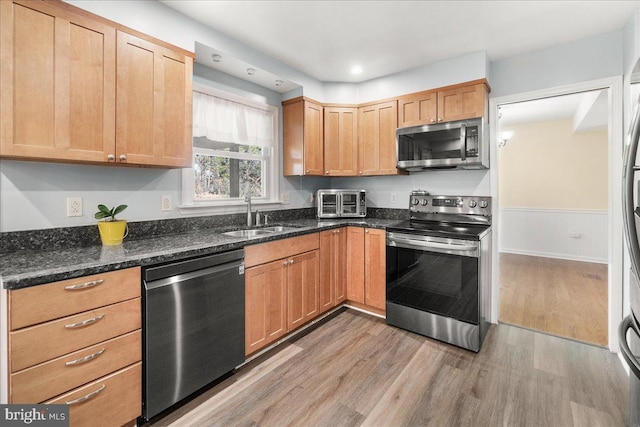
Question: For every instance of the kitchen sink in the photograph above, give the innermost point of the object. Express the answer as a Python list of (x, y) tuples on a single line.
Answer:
[(278, 228), (247, 233)]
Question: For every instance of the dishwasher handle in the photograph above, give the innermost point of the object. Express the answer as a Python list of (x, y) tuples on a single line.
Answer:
[(167, 281), (156, 272)]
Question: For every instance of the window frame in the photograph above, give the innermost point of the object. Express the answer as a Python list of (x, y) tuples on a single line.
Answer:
[(271, 175)]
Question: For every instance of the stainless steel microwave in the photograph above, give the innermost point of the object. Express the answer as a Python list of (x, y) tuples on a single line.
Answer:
[(341, 203), (461, 144)]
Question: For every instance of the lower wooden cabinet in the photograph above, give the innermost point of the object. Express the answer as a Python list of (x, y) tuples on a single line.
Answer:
[(266, 305), (302, 289), (333, 268), (79, 342), (282, 288), (366, 267)]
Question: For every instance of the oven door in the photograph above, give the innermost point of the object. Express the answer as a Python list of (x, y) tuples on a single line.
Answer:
[(436, 275), (328, 205)]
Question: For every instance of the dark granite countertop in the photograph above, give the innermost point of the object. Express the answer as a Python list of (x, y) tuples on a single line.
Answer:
[(28, 268)]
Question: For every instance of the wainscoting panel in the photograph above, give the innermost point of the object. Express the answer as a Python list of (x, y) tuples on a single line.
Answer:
[(579, 235)]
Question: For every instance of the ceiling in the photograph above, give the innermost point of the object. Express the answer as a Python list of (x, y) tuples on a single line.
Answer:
[(324, 39), (588, 110)]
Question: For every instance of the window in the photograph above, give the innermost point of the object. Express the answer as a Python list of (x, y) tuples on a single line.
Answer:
[(234, 151)]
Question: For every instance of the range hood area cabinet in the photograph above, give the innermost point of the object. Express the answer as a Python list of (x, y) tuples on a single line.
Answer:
[(78, 88), (458, 102), (360, 140)]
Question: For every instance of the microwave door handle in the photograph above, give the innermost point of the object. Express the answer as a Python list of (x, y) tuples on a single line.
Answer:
[(463, 142)]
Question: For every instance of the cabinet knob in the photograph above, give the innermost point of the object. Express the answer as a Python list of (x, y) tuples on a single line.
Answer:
[(123, 157), (360, 172), (439, 119), (433, 120), (326, 172), (111, 157), (366, 231), (307, 171), (290, 261), (285, 263)]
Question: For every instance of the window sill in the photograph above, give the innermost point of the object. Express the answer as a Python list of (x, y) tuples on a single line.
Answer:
[(228, 207)]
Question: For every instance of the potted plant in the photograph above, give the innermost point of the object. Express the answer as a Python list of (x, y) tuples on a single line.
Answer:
[(112, 231)]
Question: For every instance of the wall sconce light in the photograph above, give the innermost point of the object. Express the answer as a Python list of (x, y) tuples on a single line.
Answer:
[(504, 138)]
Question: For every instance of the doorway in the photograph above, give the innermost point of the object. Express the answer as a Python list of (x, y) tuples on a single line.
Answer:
[(557, 232), (553, 176)]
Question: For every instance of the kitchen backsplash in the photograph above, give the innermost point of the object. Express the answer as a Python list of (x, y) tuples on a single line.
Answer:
[(85, 236)]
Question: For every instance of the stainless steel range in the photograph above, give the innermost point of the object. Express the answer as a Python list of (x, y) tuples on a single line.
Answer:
[(439, 269)]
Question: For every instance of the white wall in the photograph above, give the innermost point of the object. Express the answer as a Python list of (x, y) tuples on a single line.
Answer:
[(579, 235), (584, 60)]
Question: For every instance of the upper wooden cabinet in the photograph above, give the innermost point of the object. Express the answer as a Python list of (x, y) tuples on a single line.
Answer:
[(340, 141), (377, 139), (62, 98), (57, 83), (154, 111), (458, 102), (303, 137)]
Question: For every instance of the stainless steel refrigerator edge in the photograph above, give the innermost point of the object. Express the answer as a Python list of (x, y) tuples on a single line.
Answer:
[(629, 330), (193, 326)]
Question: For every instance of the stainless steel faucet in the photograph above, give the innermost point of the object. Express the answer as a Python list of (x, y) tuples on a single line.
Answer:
[(247, 199)]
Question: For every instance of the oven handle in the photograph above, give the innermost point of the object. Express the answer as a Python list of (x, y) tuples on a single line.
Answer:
[(421, 245), (627, 324)]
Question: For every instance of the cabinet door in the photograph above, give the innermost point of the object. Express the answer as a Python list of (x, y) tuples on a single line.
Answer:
[(153, 123), (302, 289), (417, 109), (57, 84), (327, 270), (377, 139), (266, 307), (355, 264), (464, 102), (340, 250), (375, 268), (333, 268), (313, 139), (340, 141)]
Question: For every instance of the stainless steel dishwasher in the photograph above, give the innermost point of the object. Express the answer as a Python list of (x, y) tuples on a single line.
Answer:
[(193, 331)]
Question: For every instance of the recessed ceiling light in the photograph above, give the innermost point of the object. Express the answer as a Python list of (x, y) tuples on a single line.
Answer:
[(216, 57), (356, 69), (279, 82), (251, 71)]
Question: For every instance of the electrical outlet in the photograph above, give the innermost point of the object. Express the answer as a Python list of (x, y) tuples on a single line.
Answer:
[(394, 199), (312, 197), (284, 198), (575, 234), (74, 206), (166, 203)]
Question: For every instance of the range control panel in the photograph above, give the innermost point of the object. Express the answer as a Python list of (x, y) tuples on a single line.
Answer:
[(465, 205)]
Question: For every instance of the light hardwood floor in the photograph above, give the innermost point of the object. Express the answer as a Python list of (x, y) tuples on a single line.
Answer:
[(560, 297), (354, 370)]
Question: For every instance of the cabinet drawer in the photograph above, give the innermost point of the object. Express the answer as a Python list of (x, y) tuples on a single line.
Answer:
[(117, 400), (38, 304), (49, 379), (40, 343), (271, 251)]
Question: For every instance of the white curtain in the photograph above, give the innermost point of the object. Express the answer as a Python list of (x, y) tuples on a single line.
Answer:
[(221, 120)]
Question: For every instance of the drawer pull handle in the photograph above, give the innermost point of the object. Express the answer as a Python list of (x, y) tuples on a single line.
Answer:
[(84, 322), (84, 359), (87, 397), (90, 284)]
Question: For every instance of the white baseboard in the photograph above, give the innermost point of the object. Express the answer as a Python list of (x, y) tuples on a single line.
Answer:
[(554, 255)]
